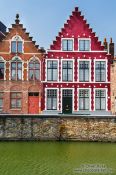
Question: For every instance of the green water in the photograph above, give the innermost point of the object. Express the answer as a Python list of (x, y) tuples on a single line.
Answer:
[(55, 158)]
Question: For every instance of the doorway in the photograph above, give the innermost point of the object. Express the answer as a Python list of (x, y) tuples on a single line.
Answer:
[(67, 101)]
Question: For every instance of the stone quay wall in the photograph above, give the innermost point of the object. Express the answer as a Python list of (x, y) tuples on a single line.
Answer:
[(75, 128)]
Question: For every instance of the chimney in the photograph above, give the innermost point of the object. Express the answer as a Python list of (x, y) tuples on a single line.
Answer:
[(111, 48), (105, 43)]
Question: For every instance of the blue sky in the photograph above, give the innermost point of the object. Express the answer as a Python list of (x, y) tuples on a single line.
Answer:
[(44, 18)]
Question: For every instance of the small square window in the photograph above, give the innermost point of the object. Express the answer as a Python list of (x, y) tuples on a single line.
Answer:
[(67, 44), (84, 45)]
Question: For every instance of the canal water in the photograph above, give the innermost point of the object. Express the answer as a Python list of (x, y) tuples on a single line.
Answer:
[(57, 158)]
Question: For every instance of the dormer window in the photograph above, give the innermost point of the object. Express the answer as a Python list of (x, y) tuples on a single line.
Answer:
[(84, 44), (17, 45), (67, 45)]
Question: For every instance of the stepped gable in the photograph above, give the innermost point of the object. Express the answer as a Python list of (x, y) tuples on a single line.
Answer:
[(18, 29), (77, 27)]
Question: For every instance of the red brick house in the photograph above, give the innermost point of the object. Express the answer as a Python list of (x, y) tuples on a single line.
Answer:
[(77, 71), (20, 72)]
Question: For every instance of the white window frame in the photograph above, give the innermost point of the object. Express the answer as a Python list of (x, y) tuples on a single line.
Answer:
[(104, 60), (34, 57), (89, 70), (3, 61), (57, 98), (72, 70), (50, 59), (13, 59), (62, 45), (73, 100), (13, 39), (106, 98), (90, 100), (79, 39)]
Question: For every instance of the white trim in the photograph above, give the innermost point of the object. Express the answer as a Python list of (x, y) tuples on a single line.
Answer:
[(106, 98), (4, 61), (89, 60), (73, 68), (90, 100), (20, 39), (79, 39), (67, 39), (104, 60), (96, 51), (51, 59), (10, 68), (46, 98), (73, 100)]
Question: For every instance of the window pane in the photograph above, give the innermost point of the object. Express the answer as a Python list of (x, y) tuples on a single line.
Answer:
[(1, 103), (13, 103), (19, 46), (49, 103), (65, 76), (70, 45), (18, 103), (81, 45), (13, 75), (52, 70), (13, 47), (54, 107), (84, 45), (67, 45), (87, 45), (31, 75), (36, 74), (100, 71), (19, 75), (55, 74), (1, 71), (49, 75), (64, 45), (70, 75)]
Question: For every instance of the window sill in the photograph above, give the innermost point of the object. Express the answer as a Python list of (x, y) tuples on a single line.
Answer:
[(15, 109)]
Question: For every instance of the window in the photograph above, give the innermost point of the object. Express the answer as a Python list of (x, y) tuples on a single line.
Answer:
[(84, 45), (51, 99), (1, 100), (84, 71), (100, 71), (16, 45), (67, 71), (84, 102), (16, 69), (16, 100), (34, 69), (67, 44), (100, 99), (1, 70), (52, 71)]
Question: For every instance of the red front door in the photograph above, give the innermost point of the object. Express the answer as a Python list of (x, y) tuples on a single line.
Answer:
[(33, 104)]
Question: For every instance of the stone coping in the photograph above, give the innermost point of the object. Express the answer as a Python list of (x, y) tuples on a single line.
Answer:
[(71, 116)]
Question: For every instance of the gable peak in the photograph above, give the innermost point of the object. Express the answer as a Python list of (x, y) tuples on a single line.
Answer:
[(17, 19)]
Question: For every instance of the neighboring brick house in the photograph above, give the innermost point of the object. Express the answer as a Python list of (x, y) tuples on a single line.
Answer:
[(20, 72), (77, 71)]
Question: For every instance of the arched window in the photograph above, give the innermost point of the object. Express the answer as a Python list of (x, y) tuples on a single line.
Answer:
[(16, 69), (16, 45), (1, 69), (34, 69)]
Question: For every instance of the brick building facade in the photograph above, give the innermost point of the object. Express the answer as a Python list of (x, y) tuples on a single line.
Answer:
[(20, 72)]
